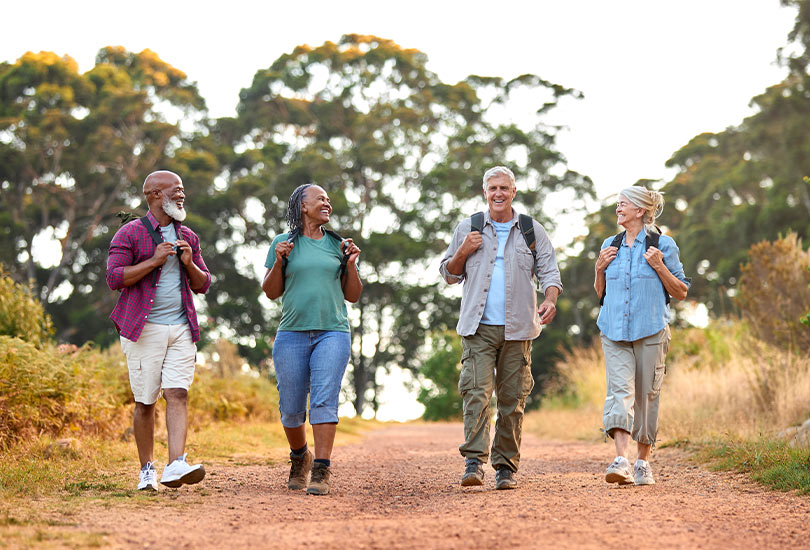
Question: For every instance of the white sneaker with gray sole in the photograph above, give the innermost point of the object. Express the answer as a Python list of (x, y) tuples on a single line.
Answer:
[(180, 473), (147, 479), (619, 472), (643, 474)]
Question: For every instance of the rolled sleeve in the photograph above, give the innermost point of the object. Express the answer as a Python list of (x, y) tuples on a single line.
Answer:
[(199, 262), (672, 259), (455, 243), (121, 255), (545, 265)]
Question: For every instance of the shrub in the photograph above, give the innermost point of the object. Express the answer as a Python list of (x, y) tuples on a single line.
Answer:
[(774, 293), (21, 314), (440, 394)]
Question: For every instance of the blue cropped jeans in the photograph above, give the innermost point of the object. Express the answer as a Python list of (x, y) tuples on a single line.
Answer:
[(310, 363)]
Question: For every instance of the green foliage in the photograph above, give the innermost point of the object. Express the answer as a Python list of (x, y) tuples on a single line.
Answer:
[(771, 462), (401, 154), (774, 292), (58, 390), (439, 392), (237, 397), (22, 315)]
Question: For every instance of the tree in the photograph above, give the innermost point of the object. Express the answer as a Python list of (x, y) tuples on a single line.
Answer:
[(75, 148), (401, 154), (438, 390)]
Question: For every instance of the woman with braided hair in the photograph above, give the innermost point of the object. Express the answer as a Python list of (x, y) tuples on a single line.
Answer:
[(314, 271), (636, 273)]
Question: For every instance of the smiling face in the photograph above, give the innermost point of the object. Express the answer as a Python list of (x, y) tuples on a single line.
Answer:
[(315, 205), (628, 215), (164, 191), (499, 192)]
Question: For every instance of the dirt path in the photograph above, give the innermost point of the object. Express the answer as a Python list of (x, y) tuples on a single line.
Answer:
[(399, 489)]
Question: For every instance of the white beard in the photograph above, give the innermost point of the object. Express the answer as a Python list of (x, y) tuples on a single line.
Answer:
[(173, 211)]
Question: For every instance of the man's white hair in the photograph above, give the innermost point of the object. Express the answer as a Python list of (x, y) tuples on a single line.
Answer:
[(498, 171)]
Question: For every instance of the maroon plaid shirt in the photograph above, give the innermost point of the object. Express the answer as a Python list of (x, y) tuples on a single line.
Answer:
[(132, 245)]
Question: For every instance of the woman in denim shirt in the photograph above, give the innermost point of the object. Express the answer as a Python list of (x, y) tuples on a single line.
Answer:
[(635, 281)]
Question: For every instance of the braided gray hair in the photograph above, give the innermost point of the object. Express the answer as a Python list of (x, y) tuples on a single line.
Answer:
[(293, 214)]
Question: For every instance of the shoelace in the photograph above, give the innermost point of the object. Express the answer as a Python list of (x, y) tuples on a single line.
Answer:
[(644, 470), (472, 467)]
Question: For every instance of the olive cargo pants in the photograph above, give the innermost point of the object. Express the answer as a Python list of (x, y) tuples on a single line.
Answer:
[(488, 362)]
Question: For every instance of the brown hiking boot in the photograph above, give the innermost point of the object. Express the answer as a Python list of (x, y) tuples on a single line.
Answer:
[(319, 483), (300, 466)]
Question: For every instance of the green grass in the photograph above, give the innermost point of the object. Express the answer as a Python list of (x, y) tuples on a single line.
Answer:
[(770, 462)]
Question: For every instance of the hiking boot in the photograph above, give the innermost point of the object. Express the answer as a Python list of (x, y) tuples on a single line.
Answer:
[(300, 466), (643, 473), (473, 473), (619, 472), (505, 478), (319, 483), (147, 479), (181, 472)]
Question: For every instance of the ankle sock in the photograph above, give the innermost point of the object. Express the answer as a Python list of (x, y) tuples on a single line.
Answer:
[(299, 452), (325, 461)]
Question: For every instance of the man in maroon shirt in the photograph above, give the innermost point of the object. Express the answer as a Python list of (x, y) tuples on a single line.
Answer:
[(157, 321)]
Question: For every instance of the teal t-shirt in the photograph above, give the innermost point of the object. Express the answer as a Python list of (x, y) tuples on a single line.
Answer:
[(312, 299)]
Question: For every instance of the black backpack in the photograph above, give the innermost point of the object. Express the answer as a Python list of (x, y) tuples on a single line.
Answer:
[(651, 239), (343, 261), (525, 223)]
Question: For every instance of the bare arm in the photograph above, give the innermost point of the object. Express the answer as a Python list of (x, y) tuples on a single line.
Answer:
[(606, 255), (273, 283), (351, 284), (674, 286)]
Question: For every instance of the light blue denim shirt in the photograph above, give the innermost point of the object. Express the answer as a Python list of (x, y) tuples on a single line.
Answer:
[(635, 306)]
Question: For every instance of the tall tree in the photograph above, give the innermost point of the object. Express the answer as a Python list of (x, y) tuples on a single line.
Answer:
[(401, 154), (74, 151)]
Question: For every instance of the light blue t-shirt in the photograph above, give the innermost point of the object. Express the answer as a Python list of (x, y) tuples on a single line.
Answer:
[(495, 309), (168, 306)]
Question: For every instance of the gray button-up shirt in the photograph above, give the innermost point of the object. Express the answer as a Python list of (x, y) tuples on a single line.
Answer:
[(522, 321)]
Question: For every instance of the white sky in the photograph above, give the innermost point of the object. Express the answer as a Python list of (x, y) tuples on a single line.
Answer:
[(654, 73)]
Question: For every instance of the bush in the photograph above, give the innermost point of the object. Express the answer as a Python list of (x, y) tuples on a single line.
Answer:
[(22, 315), (774, 293), (440, 393)]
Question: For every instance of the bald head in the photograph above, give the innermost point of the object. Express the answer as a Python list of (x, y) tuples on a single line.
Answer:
[(159, 179), (165, 195)]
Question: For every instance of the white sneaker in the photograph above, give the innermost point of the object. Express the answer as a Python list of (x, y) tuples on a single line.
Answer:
[(147, 479), (643, 473), (180, 472), (619, 472)]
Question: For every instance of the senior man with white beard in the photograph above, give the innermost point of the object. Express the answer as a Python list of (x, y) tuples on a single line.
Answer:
[(156, 263)]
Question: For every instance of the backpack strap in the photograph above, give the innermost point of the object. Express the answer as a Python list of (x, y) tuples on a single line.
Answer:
[(156, 237), (652, 239), (477, 222), (617, 242), (526, 225)]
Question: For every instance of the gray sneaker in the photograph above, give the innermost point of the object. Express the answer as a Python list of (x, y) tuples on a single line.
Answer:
[(505, 478), (619, 472), (300, 466), (473, 473), (643, 474)]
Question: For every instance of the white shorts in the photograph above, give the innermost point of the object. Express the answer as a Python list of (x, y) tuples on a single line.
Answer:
[(163, 357)]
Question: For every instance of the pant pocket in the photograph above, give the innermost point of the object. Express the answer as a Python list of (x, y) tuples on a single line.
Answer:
[(466, 380), (528, 379), (658, 377)]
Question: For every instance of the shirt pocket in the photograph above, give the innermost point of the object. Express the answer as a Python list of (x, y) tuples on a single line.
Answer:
[(525, 260), (646, 271), (612, 270)]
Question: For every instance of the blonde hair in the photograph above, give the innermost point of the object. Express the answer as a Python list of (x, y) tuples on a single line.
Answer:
[(651, 201)]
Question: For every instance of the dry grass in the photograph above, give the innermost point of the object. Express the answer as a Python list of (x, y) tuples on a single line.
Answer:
[(721, 383)]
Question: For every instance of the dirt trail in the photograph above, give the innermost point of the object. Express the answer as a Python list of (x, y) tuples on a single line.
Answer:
[(398, 488)]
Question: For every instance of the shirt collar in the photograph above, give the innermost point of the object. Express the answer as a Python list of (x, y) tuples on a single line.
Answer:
[(487, 219), (156, 225)]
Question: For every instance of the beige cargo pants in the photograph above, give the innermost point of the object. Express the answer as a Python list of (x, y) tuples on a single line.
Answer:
[(490, 363)]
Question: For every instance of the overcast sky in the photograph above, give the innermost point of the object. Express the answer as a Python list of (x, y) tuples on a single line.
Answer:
[(654, 74)]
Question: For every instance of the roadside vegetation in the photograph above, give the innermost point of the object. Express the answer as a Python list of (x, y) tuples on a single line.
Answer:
[(733, 389)]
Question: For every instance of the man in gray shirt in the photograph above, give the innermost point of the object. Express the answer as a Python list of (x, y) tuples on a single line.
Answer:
[(499, 318)]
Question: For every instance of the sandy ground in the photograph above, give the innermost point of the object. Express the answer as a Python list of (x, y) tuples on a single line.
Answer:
[(399, 488)]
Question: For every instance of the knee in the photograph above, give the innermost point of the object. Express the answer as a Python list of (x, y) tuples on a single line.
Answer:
[(175, 395)]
